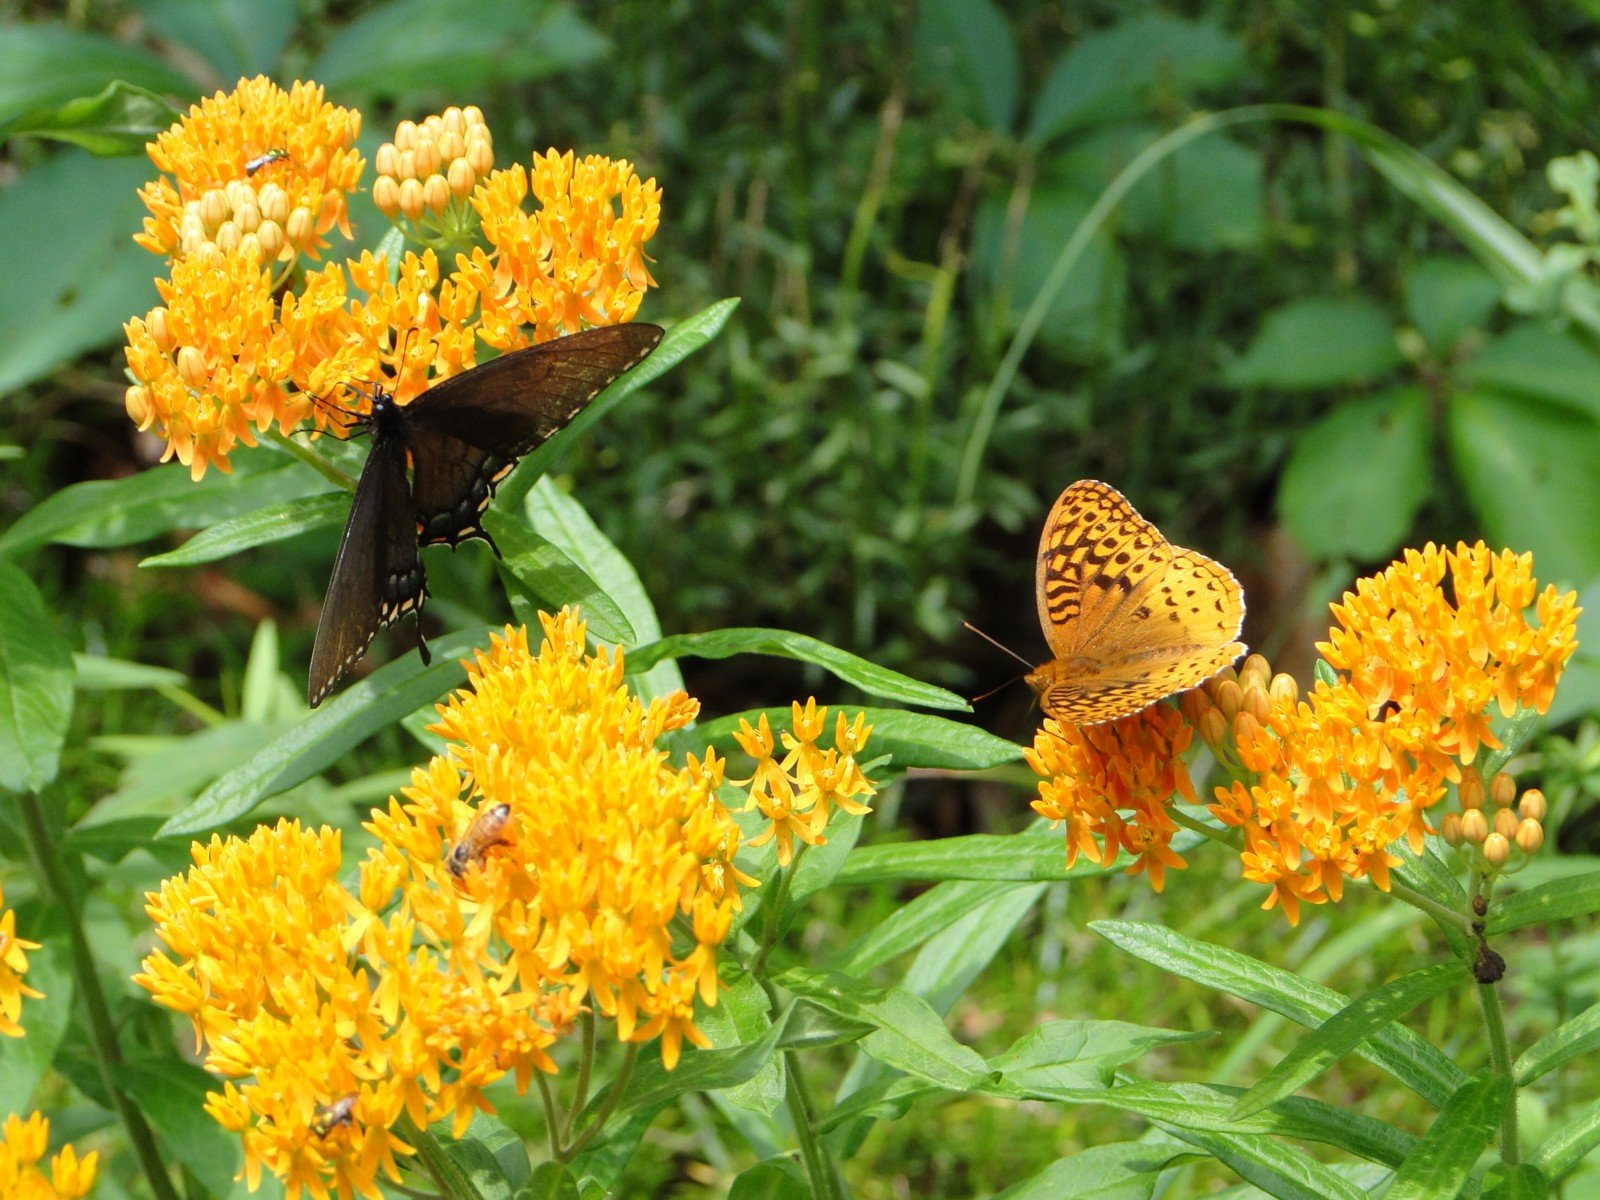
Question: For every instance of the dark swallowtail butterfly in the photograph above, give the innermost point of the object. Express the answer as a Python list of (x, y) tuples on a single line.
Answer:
[(461, 437)]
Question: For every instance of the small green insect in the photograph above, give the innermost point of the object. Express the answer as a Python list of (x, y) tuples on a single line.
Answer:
[(261, 160), (329, 1117)]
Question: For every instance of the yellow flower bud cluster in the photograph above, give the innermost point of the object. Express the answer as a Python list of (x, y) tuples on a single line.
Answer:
[(1496, 827), (1235, 704), (237, 219), (431, 167)]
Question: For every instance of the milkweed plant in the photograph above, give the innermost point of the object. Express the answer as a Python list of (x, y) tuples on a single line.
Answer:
[(578, 903)]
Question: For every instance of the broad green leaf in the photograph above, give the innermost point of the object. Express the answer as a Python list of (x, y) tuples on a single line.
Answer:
[(1347, 1029), (549, 1181), (697, 1071), (35, 686), (1318, 343), (119, 512), (1443, 1158), (1448, 295), (1398, 1050), (741, 1016), (910, 1036), (819, 865), (238, 38), (490, 1155), (946, 967), (97, 673), (171, 1094), (1553, 901), (965, 49), (1528, 469), (1522, 1182), (119, 120), (1534, 361), (318, 741), (781, 643), (88, 276), (1121, 1171), (811, 1027), (1570, 1142), (1107, 74), (259, 528), (1078, 1054), (1207, 197), (1036, 856), (913, 923), (560, 518), (1280, 1171), (548, 579), (1357, 477), (43, 65), (24, 1060), (910, 739), (887, 1098), (687, 337), (775, 1179), (420, 45), (1561, 1045)]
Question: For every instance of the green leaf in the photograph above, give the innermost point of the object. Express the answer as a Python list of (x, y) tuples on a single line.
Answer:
[(1441, 1162), (741, 1016), (119, 120), (1036, 856), (119, 512), (89, 276), (1567, 1041), (548, 579), (550, 1181), (910, 739), (1078, 1054), (1522, 1182), (1570, 1142), (1347, 1029), (1533, 361), (946, 967), (1121, 1171), (1357, 477), (686, 338), (913, 923), (652, 1084), (317, 742), (1280, 1171), (1318, 343), (171, 1095), (97, 673), (423, 45), (35, 686), (1208, 196), (489, 1155), (1398, 1050), (775, 1179), (238, 38), (910, 1036), (1448, 295), (965, 49), (559, 517), (1553, 901), (259, 528), (44, 65), (1528, 469), (25, 1060), (1107, 74), (781, 643)]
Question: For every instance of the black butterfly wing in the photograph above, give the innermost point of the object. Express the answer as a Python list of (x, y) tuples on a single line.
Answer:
[(469, 431), (377, 574)]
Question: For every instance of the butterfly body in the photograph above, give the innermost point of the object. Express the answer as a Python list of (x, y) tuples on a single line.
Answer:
[(1130, 618), (433, 469)]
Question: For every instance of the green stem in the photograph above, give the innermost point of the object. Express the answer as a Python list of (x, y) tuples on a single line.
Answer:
[(797, 1098), (1442, 913), (1200, 827), (312, 459), (769, 924), (618, 1086), (102, 1032), (585, 1070), (436, 1161), (552, 1118), (1500, 1055)]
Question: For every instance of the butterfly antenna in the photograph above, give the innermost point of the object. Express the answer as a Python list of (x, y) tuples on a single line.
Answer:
[(998, 646), (1002, 687)]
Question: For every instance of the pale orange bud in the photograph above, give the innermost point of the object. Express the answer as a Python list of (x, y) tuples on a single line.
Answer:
[(1450, 829), (273, 202), (156, 323), (301, 227), (1256, 702), (1474, 826), (1256, 669), (462, 178), (452, 145), (250, 247), (214, 208), (432, 126), (1505, 823), (386, 195), (480, 155), (1470, 790), (247, 217), (472, 115), (192, 366), (270, 235), (436, 193), (1213, 728), (1284, 691), (1229, 697), (1503, 790), (137, 400), (227, 238), (408, 166), (412, 202), (453, 120), (1532, 805), (239, 193), (405, 135), (428, 160), (387, 160), (1245, 727), (1193, 704), (1497, 849), (1530, 836)]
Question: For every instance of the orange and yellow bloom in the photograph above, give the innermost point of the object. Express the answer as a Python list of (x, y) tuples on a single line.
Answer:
[(13, 966), (23, 1144)]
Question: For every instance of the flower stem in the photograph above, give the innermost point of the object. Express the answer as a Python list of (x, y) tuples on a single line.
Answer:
[(312, 459), (1500, 1055), (1439, 912), (1188, 822), (102, 1033), (618, 1086), (552, 1118), (585, 1070), (797, 1097)]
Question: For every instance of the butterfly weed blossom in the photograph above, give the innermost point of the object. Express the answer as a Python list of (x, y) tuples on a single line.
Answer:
[(13, 966), (23, 1144), (1327, 781), (250, 328)]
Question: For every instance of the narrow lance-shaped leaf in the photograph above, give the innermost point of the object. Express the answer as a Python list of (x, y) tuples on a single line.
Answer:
[(1561, 1045), (547, 577), (1280, 1171), (35, 686), (275, 523), (1570, 1142), (1552, 901), (1443, 1158)]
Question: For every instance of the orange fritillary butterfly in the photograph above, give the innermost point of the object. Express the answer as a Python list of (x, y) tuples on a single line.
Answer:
[(1130, 617)]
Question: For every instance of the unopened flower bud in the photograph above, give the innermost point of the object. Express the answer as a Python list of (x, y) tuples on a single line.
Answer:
[(214, 208), (453, 120), (1530, 836), (1246, 728), (1497, 849), (1503, 790), (1257, 670), (1474, 826), (1256, 702), (1470, 790), (1505, 823), (428, 160), (1284, 691), (1229, 698), (1193, 704), (273, 202), (137, 400), (408, 166), (462, 178), (387, 161), (472, 115), (155, 323), (386, 195), (192, 366), (301, 228), (270, 235), (227, 238), (452, 145), (436, 193), (247, 217), (1213, 728), (405, 135), (1450, 829), (412, 202), (1532, 805), (480, 155), (250, 246)]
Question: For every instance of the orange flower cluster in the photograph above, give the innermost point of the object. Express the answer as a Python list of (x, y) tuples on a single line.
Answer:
[(13, 966), (245, 335), (799, 792), (22, 1148), (584, 867), (1111, 784)]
